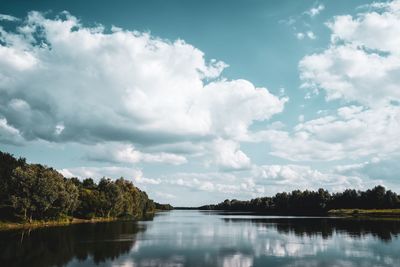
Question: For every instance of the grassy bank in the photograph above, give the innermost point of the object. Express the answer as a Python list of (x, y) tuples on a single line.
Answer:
[(365, 212), (5, 225), (35, 224)]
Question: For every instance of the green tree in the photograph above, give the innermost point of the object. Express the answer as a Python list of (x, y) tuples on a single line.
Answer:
[(7, 165), (111, 198), (41, 192), (33, 191)]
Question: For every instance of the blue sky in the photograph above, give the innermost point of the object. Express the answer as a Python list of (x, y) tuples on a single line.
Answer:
[(198, 101)]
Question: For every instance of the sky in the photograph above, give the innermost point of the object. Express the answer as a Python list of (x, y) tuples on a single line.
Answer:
[(200, 101)]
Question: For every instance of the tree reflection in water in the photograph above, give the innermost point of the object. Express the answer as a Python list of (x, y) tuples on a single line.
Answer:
[(197, 239), (56, 246), (385, 230)]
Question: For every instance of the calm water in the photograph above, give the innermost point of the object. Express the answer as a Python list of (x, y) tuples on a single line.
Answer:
[(194, 238)]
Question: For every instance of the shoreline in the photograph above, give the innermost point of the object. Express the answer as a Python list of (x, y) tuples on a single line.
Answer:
[(349, 213), (6, 225), (344, 213), (11, 225)]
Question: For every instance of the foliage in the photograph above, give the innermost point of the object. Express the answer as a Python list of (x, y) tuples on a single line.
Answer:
[(109, 198), (7, 164), (40, 192), (163, 206), (314, 202), (35, 192)]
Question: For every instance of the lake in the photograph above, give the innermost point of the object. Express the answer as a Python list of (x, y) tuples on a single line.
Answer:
[(196, 238)]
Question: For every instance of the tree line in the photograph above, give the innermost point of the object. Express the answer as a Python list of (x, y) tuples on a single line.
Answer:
[(36, 192), (321, 201)]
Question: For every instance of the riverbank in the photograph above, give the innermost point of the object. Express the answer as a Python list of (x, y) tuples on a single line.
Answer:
[(4, 225), (386, 213), (354, 213), (40, 224)]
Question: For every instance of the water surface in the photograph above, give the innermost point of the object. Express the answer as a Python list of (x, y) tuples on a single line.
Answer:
[(195, 238)]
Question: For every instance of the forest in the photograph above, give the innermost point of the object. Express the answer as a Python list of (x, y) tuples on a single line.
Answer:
[(31, 192), (318, 202)]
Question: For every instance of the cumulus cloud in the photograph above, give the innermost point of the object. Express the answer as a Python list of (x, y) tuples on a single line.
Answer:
[(127, 153), (228, 155), (352, 133), (214, 182), (96, 173), (291, 177), (133, 96), (360, 67), (363, 61), (62, 81), (8, 134), (381, 168)]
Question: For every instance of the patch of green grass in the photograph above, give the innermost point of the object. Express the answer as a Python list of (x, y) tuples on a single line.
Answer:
[(5, 225)]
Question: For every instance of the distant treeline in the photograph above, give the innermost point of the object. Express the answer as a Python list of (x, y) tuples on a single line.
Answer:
[(35, 192), (314, 202), (163, 206)]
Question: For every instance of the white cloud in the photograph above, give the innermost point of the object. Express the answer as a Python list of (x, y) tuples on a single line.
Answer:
[(312, 12), (165, 195), (127, 153), (133, 96), (362, 66), (8, 17), (300, 35), (120, 86), (309, 34), (9, 134), (352, 133), (228, 155), (136, 175), (363, 61), (59, 128), (384, 169), (279, 178), (215, 182)]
